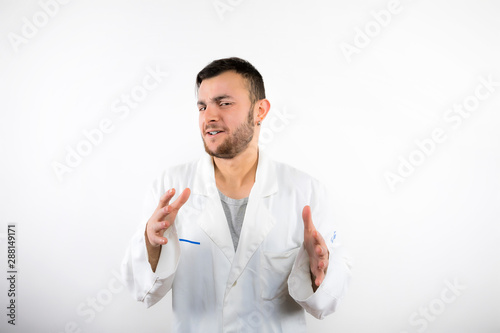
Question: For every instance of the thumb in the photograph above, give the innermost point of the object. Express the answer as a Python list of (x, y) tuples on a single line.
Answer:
[(307, 217)]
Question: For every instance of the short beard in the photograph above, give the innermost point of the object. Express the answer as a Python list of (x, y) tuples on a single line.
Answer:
[(234, 144)]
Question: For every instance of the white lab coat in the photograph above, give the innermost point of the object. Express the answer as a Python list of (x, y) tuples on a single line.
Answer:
[(265, 285)]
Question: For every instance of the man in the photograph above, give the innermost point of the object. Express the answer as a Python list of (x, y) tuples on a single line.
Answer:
[(238, 247)]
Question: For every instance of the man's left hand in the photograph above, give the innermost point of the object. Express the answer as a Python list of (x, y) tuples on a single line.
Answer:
[(316, 249)]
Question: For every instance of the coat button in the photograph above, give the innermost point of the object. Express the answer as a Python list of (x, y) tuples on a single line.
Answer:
[(235, 283)]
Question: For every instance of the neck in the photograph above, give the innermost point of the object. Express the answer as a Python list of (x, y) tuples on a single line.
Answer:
[(235, 177)]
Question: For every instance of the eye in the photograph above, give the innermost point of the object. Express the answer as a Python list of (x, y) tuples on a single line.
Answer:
[(225, 103), (202, 108)]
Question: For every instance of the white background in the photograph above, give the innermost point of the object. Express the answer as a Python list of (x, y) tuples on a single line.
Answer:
[(351, 119)]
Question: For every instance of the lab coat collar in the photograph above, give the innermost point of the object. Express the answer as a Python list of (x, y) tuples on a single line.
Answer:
[(258, 220), (265, 179)]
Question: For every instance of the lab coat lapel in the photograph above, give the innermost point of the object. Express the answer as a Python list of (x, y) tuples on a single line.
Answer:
[(258, 220), (213, 219)]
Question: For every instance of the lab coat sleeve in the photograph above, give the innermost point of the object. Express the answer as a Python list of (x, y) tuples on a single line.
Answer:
[(145, 285), (326, 298)]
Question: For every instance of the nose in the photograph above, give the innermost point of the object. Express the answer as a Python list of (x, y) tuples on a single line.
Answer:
[(211, 114)]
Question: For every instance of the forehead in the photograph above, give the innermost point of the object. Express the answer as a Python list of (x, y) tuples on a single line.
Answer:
[(228, 83)]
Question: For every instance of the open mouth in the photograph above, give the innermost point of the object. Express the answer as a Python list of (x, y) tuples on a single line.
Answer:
[(214, 133)]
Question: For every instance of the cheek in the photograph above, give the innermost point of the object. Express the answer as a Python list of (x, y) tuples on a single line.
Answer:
[(235, 120)]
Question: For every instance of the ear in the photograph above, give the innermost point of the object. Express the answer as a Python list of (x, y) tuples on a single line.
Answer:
[(263, 107)]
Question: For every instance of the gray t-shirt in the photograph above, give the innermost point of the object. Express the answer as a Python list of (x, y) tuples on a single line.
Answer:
[(235, 213)]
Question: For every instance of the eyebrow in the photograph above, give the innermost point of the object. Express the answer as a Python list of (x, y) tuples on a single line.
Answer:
[(214, 99)]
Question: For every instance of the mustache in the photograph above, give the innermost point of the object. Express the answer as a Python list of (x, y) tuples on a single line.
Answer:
[(216, 127)]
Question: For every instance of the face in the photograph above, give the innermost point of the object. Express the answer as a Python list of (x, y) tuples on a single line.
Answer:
[(226, 115)]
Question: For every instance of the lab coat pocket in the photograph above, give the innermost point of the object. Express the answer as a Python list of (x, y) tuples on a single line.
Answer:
[(276, 267)]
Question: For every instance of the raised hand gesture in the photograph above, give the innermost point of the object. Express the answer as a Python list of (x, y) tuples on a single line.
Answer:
[(162, 218), (316, 249)]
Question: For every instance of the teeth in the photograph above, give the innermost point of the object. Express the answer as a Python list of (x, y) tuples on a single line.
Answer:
[(214, 132)]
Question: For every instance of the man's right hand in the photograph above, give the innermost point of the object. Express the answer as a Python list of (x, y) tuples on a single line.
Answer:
[(162, 218)]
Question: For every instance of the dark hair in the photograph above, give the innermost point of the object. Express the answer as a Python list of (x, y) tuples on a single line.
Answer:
[(244, 68)]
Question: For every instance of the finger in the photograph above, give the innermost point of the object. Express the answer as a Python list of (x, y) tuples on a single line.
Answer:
[(165, 198), (319, 250), (171, 210), (159, 226), (307, 217), (158, 240), (181, 200), (162, 213), (320, 276), (155, 238), (319, 240), (323, 265)]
